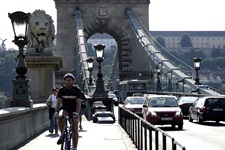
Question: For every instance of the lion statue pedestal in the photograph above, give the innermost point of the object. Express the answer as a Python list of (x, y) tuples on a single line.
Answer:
[(40, 59), (41, 33), (41, 70)]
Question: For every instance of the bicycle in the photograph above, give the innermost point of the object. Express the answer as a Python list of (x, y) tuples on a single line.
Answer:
[(67, 134)]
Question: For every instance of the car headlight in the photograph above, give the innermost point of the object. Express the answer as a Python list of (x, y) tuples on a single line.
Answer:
[(178, 113), (115, 99), (153, 114)]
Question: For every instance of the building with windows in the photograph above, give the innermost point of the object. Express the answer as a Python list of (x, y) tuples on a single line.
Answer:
[(105, 39), (199, 39)]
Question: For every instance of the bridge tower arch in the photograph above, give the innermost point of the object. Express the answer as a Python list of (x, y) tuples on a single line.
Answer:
[(99, 16)]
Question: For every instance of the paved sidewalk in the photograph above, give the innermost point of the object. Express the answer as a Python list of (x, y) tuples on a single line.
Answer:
[(93, 137)]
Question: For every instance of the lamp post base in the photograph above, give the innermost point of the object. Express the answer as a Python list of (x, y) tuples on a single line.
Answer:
[(21, 93), (158, 87), (100, 90)]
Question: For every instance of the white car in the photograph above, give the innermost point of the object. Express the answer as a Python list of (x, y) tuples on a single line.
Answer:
[(134, 104)]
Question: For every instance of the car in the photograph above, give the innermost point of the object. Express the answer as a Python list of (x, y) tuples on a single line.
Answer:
[(113, 96), (134, 104), (163, 110), (185, 102), (138, 94), (208, 108)]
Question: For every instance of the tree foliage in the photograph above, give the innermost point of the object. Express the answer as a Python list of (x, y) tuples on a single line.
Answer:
[(3, 100), (208, 64), (7, 71), (185, 41), (217, 53), (160, 42)]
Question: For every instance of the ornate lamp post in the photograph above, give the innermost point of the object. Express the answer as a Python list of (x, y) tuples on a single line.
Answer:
[(90, 62), (197, 63), (21, 92), (158, 87), (100, 89)]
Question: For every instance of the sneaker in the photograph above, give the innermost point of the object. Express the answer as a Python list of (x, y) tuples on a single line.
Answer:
[(56, 132), (61, 138), (73, 148), (51, 131)]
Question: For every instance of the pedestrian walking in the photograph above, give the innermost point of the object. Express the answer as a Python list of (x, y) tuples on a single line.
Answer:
[(52, 98)]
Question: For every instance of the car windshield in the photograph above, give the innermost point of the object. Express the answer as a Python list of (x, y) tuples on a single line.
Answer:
[(187, 99), (162, 102), (137, 86), (135, 100), (111, 95), (215, 102)]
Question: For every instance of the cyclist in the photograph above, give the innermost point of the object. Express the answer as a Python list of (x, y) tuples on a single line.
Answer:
[(68, 103)]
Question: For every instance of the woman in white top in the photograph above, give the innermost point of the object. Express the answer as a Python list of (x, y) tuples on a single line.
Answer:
[(53, 124)]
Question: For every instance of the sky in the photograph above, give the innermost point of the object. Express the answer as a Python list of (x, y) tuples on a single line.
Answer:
[(164, 15)]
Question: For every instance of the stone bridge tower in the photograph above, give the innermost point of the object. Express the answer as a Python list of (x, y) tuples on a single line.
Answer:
[(99, 16)]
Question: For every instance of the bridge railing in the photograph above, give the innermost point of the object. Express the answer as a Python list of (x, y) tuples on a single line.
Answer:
[(144, 135), (161, 61)]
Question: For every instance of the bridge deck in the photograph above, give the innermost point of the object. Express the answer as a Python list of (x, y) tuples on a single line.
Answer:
[(93, 136)]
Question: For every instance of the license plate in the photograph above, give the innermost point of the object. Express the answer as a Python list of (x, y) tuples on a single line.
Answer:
[(166, 118), (217, 109)]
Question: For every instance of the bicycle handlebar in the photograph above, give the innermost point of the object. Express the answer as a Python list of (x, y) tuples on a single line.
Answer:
[(69, 116)]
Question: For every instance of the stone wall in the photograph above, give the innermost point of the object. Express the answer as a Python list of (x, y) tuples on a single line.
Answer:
[(41, 70), (18, 124)]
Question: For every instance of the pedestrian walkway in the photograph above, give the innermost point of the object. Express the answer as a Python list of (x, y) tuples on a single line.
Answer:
[(93, 137)]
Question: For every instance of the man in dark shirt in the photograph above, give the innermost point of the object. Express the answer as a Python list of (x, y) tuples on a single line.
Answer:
[(68, 103)]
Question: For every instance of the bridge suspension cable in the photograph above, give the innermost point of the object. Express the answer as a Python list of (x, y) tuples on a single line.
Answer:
[(157, 58), (82, 73), (168, 52)]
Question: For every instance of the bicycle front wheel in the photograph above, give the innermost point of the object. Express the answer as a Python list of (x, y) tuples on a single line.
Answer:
[(68, 142), (62, 145)]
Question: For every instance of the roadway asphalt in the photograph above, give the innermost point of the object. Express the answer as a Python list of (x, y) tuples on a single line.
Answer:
[(93, 137)]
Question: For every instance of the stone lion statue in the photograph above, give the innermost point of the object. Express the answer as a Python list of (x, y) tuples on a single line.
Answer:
[(41, 33)]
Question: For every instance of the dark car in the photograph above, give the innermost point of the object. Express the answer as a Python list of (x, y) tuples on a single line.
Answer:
[(162, 110), (134, 104), (208, 108), (185, 102)]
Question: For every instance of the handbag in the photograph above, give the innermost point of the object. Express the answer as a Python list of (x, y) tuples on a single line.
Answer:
[(49, 101)]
